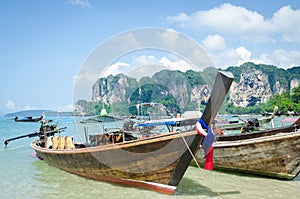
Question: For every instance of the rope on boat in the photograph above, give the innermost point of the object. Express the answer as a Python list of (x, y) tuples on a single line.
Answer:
[(187, 146), (194, 158)]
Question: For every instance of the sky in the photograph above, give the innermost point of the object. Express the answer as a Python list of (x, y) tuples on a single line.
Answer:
[(45, 43)]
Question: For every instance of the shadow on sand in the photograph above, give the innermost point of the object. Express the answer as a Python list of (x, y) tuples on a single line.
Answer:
[(190, 187)]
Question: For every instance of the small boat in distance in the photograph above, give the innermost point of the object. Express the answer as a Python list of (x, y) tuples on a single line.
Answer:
[(236, 123), (28, 119)]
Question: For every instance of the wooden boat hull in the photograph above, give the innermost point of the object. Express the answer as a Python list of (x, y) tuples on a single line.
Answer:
[(236, 125), (28, 119), (157, 163), (273, 153), (240, 125)]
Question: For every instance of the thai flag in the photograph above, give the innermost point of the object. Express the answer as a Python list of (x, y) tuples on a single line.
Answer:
[(207, 143), (199, 129)]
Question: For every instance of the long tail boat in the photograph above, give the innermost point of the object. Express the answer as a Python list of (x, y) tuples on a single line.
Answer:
[(244, 125), (272, 152), (157, 163), (28, 119)]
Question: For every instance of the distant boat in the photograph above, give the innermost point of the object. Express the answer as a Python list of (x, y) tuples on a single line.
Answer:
[(29, 119), (236, 123), (157, 163), (272, 152), (101, 119)]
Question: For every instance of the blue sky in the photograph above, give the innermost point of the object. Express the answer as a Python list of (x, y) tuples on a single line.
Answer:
[(44, 43)]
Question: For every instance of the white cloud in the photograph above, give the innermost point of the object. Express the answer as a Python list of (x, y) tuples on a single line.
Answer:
[(214, 42), (243, 53), (286, 22), (225, 58), (235, 57), (180, 64), (10, 105), (244, 24), (238, 24), (170, 37), (283, 58), (144, 60), (165, 62), (147, 65), (81, 3), (114, 69)]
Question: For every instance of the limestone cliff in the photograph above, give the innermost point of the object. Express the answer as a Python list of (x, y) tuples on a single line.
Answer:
[(252, 88), (165, 85), (253, 84), (113, 89), (294, 83)]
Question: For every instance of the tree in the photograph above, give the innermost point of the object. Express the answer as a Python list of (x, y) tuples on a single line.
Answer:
[(296, 95)]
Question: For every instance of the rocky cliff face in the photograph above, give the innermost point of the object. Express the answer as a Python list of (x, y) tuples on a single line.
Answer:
[(202, 96), (253, 84), (257, 83), (279, 88), (176, 84), (252, 89), (113, 89), (294, 83), (120, 88)]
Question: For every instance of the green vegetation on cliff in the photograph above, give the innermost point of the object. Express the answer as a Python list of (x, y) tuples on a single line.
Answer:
[(286, 103), (182, 91), (274, 73)]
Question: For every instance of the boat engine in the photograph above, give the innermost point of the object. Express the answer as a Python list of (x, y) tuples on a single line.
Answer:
[(250, 125)]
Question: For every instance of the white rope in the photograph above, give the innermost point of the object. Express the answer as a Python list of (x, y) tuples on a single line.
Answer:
[(187, 146), (219, 194)]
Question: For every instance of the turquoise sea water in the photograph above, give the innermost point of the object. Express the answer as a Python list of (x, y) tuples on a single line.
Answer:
[(23, 176)]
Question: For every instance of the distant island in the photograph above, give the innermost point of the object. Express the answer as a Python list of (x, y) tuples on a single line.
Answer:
[(37, 113)]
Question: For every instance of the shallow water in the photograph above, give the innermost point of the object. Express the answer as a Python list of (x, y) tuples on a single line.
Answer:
[(23, 176)]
